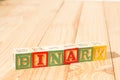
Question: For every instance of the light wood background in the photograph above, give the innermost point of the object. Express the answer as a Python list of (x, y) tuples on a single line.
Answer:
[(31, 23)]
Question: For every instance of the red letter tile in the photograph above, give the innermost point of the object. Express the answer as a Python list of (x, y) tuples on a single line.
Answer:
[(39, 59), (70, 55)]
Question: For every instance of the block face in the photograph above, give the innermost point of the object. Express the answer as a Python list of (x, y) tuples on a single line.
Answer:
[(23, 61), (70, 55), (39, 59), (99, 52), (55, 57), (85, 54)]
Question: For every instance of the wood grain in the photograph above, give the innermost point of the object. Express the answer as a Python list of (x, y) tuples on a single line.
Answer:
[(112, 13), (31, 23), (28, 25), (92, 28), (62, 30), (37, 37)]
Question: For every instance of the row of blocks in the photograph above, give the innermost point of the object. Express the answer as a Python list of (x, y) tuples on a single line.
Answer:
[(58, 55)]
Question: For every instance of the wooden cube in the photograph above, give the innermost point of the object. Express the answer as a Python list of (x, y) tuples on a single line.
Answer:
[(99, 53), (84, 52), (23, 59), (70, 54), (39, 57), (55, 56)]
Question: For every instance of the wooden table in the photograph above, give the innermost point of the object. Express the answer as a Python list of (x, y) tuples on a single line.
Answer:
[(31, 23)]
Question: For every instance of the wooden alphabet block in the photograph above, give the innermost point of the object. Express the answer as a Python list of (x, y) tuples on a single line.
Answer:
[(55, 56), (23, 59), (99, 53), (70, 54), (84, 52), (39, 57)]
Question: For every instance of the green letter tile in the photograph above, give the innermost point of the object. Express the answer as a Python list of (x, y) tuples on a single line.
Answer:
[(55, 57), (85, 54), (23, 61)]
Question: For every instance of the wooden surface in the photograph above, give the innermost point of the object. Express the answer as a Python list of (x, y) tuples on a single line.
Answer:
[(31, 23)]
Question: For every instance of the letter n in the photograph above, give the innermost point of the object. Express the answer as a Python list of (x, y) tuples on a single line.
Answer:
[(55, 57)]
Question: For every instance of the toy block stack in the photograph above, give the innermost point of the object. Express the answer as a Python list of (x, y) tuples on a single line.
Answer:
[(58, 55)]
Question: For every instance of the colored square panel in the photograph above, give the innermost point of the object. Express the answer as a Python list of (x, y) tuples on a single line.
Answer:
[(70, 55), (39, 59), (23, 61), (55, 57), (85, 54), (99, 52)]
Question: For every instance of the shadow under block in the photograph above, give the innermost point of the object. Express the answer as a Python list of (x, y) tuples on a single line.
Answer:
[(70, 55), (55, 57), (23, 61), (99, 52), (85, 54), (39, 59)]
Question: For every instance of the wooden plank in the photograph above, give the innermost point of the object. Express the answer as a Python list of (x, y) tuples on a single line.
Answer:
[(112, 13), (62, 31), (64, 24), (19, 17), (28, 32), (6, 6), (92, 28)]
